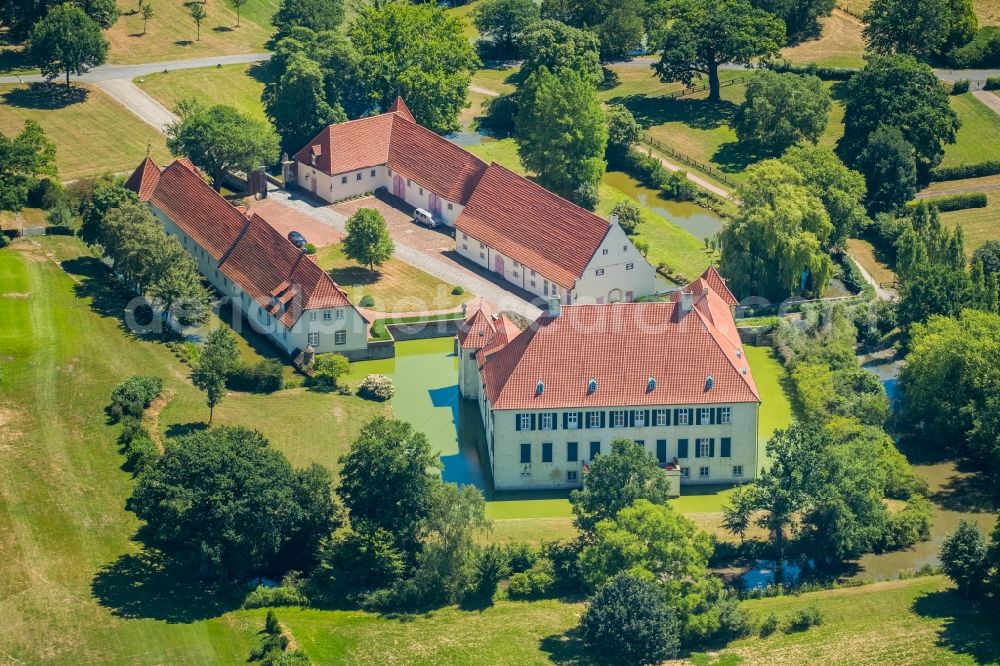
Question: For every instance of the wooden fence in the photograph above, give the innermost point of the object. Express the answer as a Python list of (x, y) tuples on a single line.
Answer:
[(686, 161)]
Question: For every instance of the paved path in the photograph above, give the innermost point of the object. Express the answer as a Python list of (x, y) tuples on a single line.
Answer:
[(881, 292), (139, 102), (108, 72), (483, 91), (694, 178), (989, 99), (445, 270)]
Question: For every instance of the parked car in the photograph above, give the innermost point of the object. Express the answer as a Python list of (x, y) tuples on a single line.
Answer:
[(297, 239), (421, 216)]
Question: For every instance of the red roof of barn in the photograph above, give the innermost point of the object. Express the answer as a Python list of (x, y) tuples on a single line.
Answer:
[(143, 180), (621, 346), (531, 225), (485, 330)]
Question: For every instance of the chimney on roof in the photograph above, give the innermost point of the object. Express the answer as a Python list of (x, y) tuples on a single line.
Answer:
[(555, 306), (613, 220), (687, 301)]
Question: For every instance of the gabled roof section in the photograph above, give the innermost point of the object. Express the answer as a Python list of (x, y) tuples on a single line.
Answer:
[(399, 106), (718, 284), (356, 144), (199, 211), (434, 162), (144, 179), (620, 346), (528, 223)]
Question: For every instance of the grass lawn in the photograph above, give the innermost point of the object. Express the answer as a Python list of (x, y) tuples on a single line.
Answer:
[(93, 134), (463, 13), (171, 33), (230, 84), (987, 11), (396, 286), (864, 253), (839, 45), (667, 242), (776, 409), (978, 138), (979, 224)]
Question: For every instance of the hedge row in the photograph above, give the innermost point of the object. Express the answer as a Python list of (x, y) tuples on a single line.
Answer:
[(137, 444), (132, 396), (825, 73), (267, 376), (963, 171), (954, 201)]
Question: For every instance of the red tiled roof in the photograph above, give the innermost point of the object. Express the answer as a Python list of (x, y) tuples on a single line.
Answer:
[(718, 285), (535, 227), (143, 180), (485, 330), (356, 144), (434, 162), (399, 106), (211, 221), (621, 346)]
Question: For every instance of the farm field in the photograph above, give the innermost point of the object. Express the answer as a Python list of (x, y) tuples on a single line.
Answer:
[(987, 11), (234, 85), (93, 134), (840, 44), (978, 138)]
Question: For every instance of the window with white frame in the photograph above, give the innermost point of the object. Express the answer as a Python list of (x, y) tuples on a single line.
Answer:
[(314, 339), (464, 237), (546, 421), (421, 190), (358, 177), (599, 271), (533, 283), (327, 315), (312, 316), (604, 251), (482, 246), (343, 180), (618, 418), (737, 470), (703, 472), (640, 418), (372, 173), (482, 255), (725, 415), (629, 267), (572, 421), (704, 447), (595, 419), (525, 421), (339, 314), (661, 417), (449, 206), (706, 415), (571, 475), (685, 472), (682, 417), (340, 338)]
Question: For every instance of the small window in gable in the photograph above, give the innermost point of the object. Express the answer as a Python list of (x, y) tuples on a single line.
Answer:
[(449, 206), (372, 173), (599, 271), (343, 180)]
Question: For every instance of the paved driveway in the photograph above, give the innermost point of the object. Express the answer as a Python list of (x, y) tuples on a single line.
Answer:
[(286, 219)]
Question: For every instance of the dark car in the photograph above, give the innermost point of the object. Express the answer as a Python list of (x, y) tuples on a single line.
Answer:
[(297, 239)]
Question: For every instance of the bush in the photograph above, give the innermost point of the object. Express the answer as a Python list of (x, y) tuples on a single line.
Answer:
[(954, 201), (629, 216), (960, 86), (992, 83), (770, 624), (983, 50), (586, 196), (265, 597), (963, 171), (4, 239), (457, 290), (804, 618), (499, 113), (492, 566), (47, 194), (132, 396), (522, 556), (309, 248), (535, 583), (679, 187), (909, 525), (141, 453), (376, 387), (825, 73), (327, 370), (367, 301), (647, 169), (628, 621), (267, 376)]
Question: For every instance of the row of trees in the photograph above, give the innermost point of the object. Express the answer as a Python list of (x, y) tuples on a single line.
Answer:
[(24, 160), (942, 31)]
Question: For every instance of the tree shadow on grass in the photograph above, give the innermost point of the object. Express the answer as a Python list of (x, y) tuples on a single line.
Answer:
[(175, 430), (152, 585), (968, 628), (222, 28), (47, 96), (354, 276), (734, 156), (183, 42), (696, 113), (261, 72), (567, 649)]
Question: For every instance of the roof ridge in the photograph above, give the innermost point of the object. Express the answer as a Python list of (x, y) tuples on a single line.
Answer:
[(716, 334), (236, 240)]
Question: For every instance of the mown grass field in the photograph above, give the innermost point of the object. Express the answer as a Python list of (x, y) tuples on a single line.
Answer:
[(840, 44), (864, 253), (234, 85), (978, 138), (171, 33), (93, 134), (987, 11), (979, 224)]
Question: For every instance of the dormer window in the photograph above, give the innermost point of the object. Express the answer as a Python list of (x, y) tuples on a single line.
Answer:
[(651, 383), (708, 383), (539, 387), (592, 385)]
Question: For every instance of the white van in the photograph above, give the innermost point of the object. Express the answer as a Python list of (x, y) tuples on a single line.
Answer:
[(421, 216)]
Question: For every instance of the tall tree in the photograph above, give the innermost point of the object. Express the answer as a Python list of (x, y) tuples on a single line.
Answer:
[(296, 103), (219, 357), (502, 24), (23, 158), (841, 190), (104, 12), (230, 503), (19, 16), (557, 46), (965, 558), (925, 29), (219, 139), (368, 241), (560, 130), (237, 5), (616, 480), (419, 53), (387, 480), (198, 14), (317, 15), (146, 11), (774, 248), (781, 110), (621, 30), (704, 34), (67, 40), (897, 91), (889, 165)]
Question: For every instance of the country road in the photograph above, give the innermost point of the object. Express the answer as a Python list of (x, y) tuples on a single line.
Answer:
[(109, 72)]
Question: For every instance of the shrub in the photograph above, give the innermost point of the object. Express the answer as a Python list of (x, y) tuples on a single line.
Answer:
[(265, 597), (960, 86), (679, 187), (521, 556), (535, 583), (457, 290), (642, 246), (909, 525), (367, 301), (628, 621), (629, 216), (141, 453), (963, 171), (133, 396), (810, 616), (309, 248), (954, 201), (4, 240), (267, 376), (992, 83), (376, 387), (825, 73), (492, 566), (47, 194), (586, 196), (565, 558), (983, 50), (327, 370), (770, 624)]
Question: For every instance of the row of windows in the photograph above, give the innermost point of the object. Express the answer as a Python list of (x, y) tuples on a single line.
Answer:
[(339, 338), (704, 447), (625, 418), (703, 473), (327, 315), (357, 176), (600, 271)]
